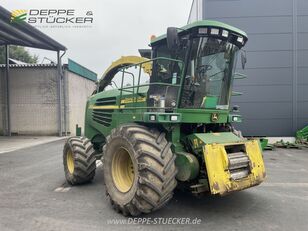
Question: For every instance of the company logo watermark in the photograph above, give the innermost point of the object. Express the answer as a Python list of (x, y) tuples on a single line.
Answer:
[(18, 16), (54, 18)]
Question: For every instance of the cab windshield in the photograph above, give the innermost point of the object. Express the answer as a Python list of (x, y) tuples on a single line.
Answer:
[(210, 72)]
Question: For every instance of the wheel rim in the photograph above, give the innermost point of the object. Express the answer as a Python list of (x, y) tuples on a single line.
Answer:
[(70, 162), (123, 170)]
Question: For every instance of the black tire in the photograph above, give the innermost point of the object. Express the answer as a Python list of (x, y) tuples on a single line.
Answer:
[(154, 169), (83, 158)]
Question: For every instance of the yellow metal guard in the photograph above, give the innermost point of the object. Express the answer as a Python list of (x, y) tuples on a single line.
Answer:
[(219, 176)]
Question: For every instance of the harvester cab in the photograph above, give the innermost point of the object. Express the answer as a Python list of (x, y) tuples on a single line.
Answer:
[(167, 120)]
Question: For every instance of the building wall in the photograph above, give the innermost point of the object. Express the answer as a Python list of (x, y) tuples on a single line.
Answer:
[(78, 91), (33, 100), (275, 99), (2, 105), (34, 106), (196, 11)]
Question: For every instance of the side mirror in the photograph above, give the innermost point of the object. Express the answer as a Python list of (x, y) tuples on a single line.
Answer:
[(243, 59), (173, 40)]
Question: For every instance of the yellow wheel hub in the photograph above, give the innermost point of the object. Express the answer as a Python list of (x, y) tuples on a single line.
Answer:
[(70, 162), (122, 170)]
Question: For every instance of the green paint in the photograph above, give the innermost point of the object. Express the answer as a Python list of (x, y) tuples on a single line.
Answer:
[(210, 102), (81, 70), (213, 138), (78, 130), (188, 166), (264, 143), (302, 134), (107, 110)]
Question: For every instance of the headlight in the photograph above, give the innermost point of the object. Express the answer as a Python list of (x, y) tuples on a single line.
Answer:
[(152, 117), (235, 118), (225, 33), (173, 118), (240, 40), (214, 31)]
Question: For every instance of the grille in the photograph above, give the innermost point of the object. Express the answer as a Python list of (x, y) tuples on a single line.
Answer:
[(106, 101), (104, 116)]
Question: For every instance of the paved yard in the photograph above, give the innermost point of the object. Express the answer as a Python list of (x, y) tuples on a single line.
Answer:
[(13, 143), (34, 196)]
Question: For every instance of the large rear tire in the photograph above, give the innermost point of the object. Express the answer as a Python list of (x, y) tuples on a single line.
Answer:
[(79, 160), (139, 169)]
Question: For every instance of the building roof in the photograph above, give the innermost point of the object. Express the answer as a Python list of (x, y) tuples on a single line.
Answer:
[(81, 70), (71, 66), (23, 34), (29, 65)]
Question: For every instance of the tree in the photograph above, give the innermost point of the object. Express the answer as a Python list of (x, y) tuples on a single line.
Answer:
[(18, 53)]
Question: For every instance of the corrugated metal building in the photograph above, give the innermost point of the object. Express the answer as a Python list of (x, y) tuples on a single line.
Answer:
[(34, 104), (275, 99)]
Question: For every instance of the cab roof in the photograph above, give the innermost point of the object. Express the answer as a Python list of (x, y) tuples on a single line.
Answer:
[(204, 23)]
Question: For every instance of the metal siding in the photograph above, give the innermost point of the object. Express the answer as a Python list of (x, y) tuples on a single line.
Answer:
[(302, 104), (264, 127), (303, 76), (274, 92), (261, 25), (265, 76), (247, 8), (302, 7), (263, 94)]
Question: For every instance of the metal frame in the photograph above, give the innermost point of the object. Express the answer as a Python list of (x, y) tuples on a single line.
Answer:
[(23, 34), (7, 92)]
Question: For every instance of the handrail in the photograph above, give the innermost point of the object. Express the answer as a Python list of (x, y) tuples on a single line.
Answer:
[(135, 96), (149, 84), (151, 60)]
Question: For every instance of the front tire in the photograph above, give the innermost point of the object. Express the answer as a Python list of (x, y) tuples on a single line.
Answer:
[(139, 169), (79, 160)]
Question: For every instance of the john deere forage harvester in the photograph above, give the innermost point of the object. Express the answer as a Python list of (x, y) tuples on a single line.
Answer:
[(165, 120)]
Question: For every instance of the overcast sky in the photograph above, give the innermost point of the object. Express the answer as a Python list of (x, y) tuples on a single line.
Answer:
[(120, 27)]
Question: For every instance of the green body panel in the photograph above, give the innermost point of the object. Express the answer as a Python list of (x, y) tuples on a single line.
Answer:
[(202, 115), (211, 102), (213, 138), (138, 112), (188, 166), (198, 140)]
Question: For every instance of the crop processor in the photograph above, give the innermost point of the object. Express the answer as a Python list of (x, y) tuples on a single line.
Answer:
[(164, 119)]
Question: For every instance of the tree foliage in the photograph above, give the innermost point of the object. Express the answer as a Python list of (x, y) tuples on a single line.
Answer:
[(18, 53)]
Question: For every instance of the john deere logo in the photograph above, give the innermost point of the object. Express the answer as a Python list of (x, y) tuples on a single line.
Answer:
[(18, 16), (214, 117)]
